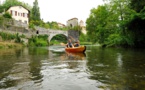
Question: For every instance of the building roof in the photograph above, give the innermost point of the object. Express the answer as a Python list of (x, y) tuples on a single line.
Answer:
[(18, 5), (72, 19), (60, 24)]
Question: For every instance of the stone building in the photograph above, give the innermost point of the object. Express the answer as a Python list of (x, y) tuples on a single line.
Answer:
[(61, 25), (72, 22), (81, 24), (19, 13)]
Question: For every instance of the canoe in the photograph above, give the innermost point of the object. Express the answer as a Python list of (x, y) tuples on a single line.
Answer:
[(80, 49)]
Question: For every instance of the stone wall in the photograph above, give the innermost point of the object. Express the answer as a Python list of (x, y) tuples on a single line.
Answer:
[(20, 24), (13, 30), (74, 34), (13, 22), (13, 26)]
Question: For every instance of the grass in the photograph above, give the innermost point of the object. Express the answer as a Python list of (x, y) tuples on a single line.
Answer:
[(86, 43), (55, 42), (5, 44)]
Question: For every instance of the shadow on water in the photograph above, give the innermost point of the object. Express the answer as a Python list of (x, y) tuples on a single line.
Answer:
[(117, 68)]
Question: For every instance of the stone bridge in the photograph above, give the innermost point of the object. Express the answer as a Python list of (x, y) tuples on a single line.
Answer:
[(52, 33)]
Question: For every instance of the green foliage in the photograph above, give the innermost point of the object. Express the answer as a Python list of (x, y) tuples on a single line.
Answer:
[(35, 14), (86, 43), (114, 40), (137, 5), (1, 20), (48, 25), (18, 39), (118, 23), (7, 36), (52, 25), (38, 40), (7, 15), (78, 28), (9, 3), (59, 38), (1, 8), (36, 23), (54, 42), (96, 24), (137, 29), (83, 38)]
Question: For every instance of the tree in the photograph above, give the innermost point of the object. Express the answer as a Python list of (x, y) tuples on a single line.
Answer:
[(7, 15), (123, 14), (106, 24), (53, 25), (137, 5), (35, 11), (96, 24), (136, 25)]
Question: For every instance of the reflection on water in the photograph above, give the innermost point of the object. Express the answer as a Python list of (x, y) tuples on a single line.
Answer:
[(51, 68), (75, 56), (117, 68)]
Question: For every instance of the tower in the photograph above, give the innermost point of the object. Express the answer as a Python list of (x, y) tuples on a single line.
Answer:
[(81, 23)]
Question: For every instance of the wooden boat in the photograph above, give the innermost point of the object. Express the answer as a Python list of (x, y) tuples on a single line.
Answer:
[(80, 49)]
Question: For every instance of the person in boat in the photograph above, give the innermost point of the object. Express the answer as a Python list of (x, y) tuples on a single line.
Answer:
[(69, 44), (77, 43)]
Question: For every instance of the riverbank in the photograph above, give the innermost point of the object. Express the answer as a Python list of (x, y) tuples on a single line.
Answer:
[(62, 43), (6, 44)]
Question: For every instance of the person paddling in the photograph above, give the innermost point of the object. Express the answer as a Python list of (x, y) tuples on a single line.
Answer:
[(77, 43), (69, 44)]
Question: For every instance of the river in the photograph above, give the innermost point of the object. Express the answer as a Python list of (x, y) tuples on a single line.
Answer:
[(51, 68)]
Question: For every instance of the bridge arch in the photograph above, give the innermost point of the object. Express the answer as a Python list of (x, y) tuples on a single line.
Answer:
[(53, 33), (51, 37)]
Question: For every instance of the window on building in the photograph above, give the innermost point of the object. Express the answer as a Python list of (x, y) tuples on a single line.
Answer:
[(15, 13), (11, 12), (70, 25), (23, 14)]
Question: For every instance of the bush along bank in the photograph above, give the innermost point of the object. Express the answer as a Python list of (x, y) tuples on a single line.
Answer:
[(41, 40), (8, 40)]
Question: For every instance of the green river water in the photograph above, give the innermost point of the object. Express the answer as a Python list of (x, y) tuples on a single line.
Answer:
[(51, 68)]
